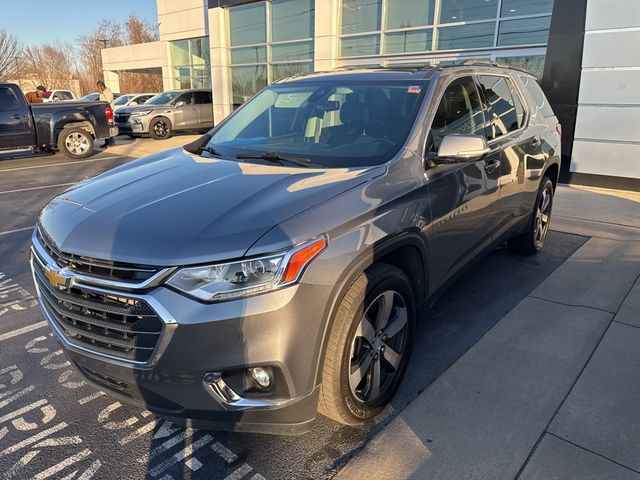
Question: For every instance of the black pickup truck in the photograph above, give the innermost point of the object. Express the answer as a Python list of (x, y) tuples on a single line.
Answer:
[(70, 127)]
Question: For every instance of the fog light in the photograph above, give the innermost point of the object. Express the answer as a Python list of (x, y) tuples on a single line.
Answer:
[(261, 376)]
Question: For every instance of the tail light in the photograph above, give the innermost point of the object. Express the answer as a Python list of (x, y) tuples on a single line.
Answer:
[(559, 129), (109, 113)]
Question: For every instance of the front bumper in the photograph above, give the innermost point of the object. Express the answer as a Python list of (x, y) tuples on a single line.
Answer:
[(133, 126), (281, 330)]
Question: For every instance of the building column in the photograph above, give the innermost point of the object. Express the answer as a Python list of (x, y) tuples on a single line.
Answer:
[(220, 69), (326, 37), (112, 80)]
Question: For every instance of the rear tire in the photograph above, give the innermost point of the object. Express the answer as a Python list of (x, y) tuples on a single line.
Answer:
[(531, 241), (160, 128), (75, 143), (365, 360)]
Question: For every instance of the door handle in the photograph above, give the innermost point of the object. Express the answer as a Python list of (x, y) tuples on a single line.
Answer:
[(18, 117), (491, 166)]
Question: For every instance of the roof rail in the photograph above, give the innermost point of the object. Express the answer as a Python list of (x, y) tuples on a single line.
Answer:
[(494, 63)]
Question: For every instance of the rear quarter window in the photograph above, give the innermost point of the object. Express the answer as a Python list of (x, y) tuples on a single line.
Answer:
[(537, 96)]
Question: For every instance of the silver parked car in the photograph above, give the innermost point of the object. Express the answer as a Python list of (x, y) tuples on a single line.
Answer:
[(132, 99), (278, 266), (166, 113)]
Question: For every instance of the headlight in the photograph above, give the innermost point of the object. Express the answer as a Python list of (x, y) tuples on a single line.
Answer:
[(141, 113), (246, 277)]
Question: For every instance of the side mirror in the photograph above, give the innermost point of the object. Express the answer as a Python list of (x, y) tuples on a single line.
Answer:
[(462, 148), (181, 103)]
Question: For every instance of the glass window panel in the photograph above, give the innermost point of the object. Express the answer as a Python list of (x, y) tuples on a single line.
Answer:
[(282, 70), (477, 35), (248, 25), (292, 51), (361, 15), (409, 13), (502, 112), (459, 111), (200, 51), (408, 41), (466, 10), (361, 45), (180, 52), (526, 31), (246, 81), (530, 63), (511, 8), (291, 20), (249, 55)]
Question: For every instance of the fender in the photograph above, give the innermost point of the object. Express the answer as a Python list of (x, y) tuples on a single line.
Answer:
[(366, 258), (63, 118)]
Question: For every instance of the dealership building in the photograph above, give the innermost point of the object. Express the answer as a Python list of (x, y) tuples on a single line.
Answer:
[(586, 54)]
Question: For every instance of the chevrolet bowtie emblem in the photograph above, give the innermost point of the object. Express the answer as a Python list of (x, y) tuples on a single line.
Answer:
[(61, 279)]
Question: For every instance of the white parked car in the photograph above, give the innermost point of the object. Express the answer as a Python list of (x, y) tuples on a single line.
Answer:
[(132, 99), (58, 95)]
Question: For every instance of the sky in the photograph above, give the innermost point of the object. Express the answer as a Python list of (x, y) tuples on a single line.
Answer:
[(46, 21)]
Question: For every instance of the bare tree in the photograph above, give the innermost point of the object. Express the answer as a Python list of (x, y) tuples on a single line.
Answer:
[(10, 52), (50, 64)]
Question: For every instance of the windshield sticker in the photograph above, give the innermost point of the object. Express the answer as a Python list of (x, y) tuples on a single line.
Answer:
[(414, 89)]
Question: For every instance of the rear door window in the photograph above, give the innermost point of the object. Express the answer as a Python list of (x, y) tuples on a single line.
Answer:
[(8, 100), (203, 98), (505, 114), (459, 111)]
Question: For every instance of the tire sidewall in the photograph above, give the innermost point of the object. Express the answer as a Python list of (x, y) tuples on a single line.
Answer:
[(152, 130), (399, 283), (546, 183), (64, 134)]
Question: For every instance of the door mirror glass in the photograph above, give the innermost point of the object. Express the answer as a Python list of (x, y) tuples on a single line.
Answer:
[(462, 148)]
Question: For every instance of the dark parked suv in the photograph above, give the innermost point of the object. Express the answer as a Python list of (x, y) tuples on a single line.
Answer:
[(277, 267)]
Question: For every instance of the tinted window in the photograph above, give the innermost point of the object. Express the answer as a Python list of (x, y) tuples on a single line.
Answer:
[(66, 96), (187, 98), (8, 100), (122, 100), (537, 96), (459, 111), (162, 98), (502, 113), (203, 97)]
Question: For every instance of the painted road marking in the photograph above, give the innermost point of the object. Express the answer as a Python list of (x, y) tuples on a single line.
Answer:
[(239, 473), (226, 454), (20, 331), (16, 230), (93, 396), (83, 162), (41, 187), (13, 297), (181, 455)]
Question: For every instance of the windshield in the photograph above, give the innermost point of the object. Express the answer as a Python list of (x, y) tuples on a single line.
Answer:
[(122, 99), (91, 97), (162, 98), (334, 125)]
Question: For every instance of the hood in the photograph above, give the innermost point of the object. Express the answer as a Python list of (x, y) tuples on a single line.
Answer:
[(175, 208)]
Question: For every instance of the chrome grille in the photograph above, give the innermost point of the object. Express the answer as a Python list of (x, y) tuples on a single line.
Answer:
[(113, 325), (119, 271), (122, 117)]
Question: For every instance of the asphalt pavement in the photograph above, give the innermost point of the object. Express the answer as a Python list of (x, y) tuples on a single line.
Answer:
[(53, 424)]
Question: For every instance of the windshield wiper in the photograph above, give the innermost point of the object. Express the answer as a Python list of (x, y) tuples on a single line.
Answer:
[(275, 157), (199, 146)]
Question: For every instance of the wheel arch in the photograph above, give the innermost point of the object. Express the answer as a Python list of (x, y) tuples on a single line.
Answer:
[(406, 251)]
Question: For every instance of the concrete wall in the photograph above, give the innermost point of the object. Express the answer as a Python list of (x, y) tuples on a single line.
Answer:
[(182, 19), (607, 136)]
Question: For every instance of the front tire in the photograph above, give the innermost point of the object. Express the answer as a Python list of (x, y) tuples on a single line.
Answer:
[(368, 346), (160, 128), (531, 241), (75, 143)]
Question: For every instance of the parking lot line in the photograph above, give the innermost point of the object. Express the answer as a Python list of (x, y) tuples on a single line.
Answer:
[(75, 162), (20, 331), (16, 230), (18, 190)]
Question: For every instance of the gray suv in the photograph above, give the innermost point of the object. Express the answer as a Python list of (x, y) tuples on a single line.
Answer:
[(167, 112), (277, 267)]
